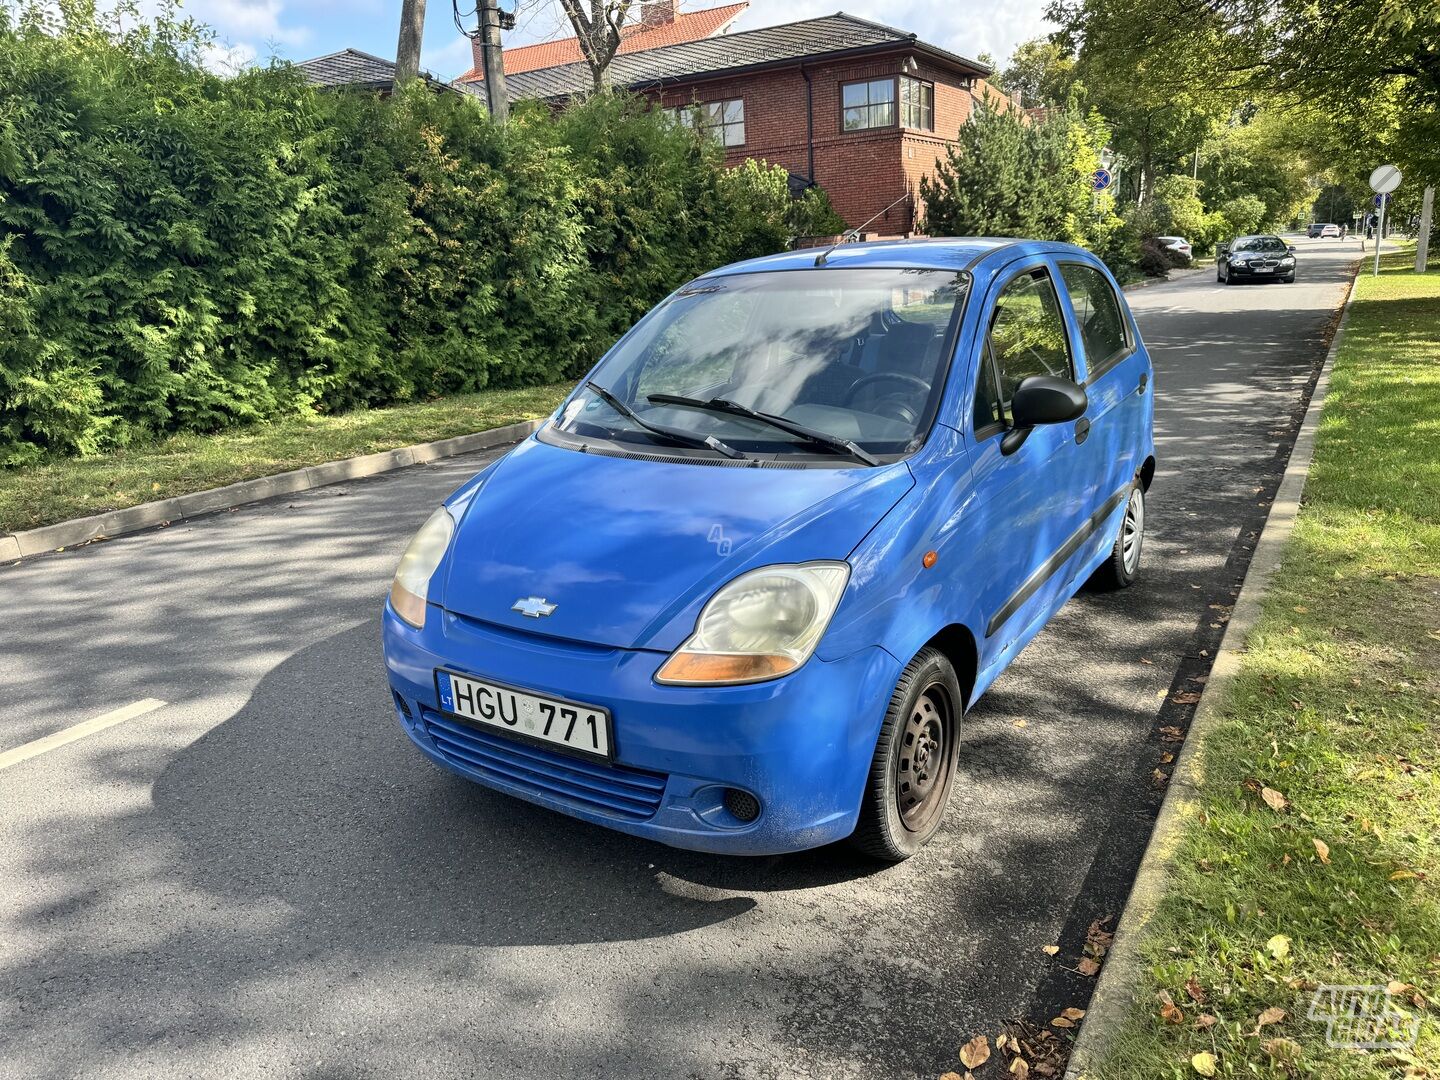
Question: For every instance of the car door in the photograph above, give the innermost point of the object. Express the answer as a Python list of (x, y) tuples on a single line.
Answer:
[(1116, 374), (1026, 506)]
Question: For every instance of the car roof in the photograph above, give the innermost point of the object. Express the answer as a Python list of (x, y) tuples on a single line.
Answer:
[(923, 253)]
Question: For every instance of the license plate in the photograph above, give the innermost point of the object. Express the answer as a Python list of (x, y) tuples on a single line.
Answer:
[(1262, 269), (567, 725)]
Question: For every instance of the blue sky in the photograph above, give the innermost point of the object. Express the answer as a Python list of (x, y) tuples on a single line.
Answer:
[(298, 29)]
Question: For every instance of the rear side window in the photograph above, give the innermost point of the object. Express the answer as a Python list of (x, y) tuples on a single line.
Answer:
[(1097, 310), (1027, 335)]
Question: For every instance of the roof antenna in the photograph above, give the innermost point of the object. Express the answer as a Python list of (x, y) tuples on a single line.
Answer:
[(854, 234)]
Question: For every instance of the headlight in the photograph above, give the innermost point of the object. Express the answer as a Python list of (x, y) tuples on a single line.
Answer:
[(412, 576), (1288, 260), (762, 625)]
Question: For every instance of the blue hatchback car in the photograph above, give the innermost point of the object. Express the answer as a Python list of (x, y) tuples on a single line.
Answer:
[(738, 591)]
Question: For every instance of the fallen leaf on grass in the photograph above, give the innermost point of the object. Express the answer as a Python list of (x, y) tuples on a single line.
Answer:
[(1169, 1011), (1282, 1049), (1395, 988), (1278, 946), (1274, 799), (1271, 1015), (1194, 989), (1204, 1063), (975, 1053), (1322, 849), (1206, 1021)]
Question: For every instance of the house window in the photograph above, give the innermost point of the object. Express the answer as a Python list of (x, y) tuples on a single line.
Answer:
[(867, 104), (724, 121), (917, 104)]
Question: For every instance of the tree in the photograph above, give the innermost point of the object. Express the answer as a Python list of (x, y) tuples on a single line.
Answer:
[(1008, 176), (598, 31), (1040, 72)]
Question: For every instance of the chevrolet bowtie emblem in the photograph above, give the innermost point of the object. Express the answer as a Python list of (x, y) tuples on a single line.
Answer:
[(534, 606)]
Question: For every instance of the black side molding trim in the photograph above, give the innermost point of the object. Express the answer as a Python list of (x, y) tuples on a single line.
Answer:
[(1054, 562)]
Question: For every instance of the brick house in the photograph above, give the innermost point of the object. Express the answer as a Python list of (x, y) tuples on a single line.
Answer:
[(863, 110)]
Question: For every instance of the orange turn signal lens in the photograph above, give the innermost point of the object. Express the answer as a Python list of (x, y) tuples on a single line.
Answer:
[(407, 605), (929, 560), (691, 669)]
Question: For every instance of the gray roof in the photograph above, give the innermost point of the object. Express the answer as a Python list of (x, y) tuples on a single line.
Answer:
[(829, 34), (353, 68)]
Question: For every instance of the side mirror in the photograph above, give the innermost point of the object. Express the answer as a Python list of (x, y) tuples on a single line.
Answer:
[(1042, 399), (1223, 249), (1290, 248)]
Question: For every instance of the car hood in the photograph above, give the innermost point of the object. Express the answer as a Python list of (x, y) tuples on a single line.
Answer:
[(628, 550)]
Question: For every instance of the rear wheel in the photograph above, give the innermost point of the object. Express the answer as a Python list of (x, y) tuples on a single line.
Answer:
[(914, 764), (1123, 566)]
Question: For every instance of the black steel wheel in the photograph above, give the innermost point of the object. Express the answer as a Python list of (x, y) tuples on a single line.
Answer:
[(914, 765)]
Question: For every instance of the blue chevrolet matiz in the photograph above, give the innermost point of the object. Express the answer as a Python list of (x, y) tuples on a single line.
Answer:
[(736, 594)]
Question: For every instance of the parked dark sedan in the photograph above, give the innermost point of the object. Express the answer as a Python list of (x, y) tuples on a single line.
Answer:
[(1255, 258)]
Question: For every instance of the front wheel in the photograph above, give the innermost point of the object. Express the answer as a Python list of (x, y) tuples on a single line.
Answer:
[(1123, 566), (914, 764)]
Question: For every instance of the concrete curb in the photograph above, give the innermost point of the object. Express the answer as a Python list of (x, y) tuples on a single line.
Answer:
[(1116, 990), (22, 545)]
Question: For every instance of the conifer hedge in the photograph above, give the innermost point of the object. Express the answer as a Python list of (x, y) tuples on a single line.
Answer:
[(181, 251)]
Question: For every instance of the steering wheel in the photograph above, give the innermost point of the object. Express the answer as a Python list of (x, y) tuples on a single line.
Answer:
[(894, 405)]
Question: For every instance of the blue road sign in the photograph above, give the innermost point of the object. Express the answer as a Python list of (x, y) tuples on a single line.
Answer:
[(1102, 179), (1380, 201)]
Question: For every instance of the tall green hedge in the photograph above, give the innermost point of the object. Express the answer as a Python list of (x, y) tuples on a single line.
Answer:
[(180, 251)]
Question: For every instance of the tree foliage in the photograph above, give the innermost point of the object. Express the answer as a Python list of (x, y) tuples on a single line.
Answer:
[(1007, 176), (184, 252), (1040, 71)]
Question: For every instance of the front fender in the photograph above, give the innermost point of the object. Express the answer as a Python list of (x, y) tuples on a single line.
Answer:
[(893, 599)]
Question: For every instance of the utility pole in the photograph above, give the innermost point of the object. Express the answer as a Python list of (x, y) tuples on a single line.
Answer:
[(407, 52), (1422, 249), (491, 22)]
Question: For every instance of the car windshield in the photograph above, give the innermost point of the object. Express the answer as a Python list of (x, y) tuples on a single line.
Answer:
[(1259, 243), (855, 355)]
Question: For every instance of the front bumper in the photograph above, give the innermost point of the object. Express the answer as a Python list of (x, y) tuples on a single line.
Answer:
[(801, 745), (1239, 270)]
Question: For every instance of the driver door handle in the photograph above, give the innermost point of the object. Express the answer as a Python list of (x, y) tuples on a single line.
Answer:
[(1082, 430)]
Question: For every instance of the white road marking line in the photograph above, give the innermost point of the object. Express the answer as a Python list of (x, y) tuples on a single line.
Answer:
[(78, 731)]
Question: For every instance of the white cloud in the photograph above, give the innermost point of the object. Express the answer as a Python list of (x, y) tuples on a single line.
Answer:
[(256, 20), (446, 55), (228, 59)]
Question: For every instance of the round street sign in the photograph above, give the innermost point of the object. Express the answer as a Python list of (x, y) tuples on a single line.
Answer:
[(1385, 179), (1379, 201), (1103, 179)]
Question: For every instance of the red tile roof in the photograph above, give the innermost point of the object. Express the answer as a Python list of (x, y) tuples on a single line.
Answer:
[(687, 26)]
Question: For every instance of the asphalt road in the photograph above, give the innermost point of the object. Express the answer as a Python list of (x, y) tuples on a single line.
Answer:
[(264, 878)]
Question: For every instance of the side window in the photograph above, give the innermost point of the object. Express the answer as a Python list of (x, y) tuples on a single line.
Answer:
[(1097, 310), (1027, 334)]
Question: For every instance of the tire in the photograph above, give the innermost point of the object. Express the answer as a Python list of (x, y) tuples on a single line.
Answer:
[(1123, 566), (905, 798)]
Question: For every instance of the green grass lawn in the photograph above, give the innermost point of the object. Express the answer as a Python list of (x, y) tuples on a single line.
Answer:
[(1337, 708), (181, 464)]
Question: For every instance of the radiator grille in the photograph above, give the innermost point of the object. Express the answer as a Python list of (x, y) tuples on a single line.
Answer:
[(611, 789)]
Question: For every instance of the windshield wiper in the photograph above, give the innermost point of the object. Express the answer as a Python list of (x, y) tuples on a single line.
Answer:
[(810, 435), (680, 438)]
